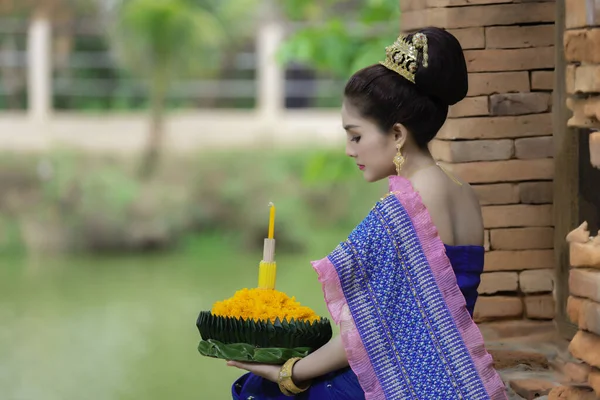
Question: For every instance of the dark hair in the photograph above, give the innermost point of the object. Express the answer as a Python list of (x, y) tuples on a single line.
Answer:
[(422, 107)]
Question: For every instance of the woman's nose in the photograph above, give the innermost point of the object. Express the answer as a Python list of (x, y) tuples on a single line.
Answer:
[(350, 151)]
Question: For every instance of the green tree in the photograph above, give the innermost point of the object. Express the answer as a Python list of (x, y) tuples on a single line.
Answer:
[(159, 41), (342, 36)]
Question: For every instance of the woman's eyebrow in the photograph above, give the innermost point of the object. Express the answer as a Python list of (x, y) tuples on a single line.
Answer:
[(347, 127)]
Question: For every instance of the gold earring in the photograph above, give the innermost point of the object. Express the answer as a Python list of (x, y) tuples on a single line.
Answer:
[(399, 160)]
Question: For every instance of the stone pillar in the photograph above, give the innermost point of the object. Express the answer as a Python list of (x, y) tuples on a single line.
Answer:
[(500, 140), (582, 51), (271, 77), (39, 67), (583, 307)]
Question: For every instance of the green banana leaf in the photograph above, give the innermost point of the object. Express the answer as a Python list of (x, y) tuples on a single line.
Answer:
[(248, 353), (264, 334)]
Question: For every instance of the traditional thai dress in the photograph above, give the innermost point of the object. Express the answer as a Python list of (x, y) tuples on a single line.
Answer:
[(404, 302)]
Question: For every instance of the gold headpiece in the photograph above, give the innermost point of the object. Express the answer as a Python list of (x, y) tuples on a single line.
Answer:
[(402, 56)]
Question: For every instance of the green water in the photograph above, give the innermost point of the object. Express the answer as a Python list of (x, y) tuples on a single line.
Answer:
[(100, 328)]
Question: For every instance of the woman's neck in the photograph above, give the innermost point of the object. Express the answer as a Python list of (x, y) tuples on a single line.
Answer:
[(415, 162)]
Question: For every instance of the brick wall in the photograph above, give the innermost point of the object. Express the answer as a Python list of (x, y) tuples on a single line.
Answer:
[(500, 139), (582, 52), (583, 307)]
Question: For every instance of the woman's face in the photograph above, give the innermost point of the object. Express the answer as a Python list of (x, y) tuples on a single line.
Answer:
[(372, 150)]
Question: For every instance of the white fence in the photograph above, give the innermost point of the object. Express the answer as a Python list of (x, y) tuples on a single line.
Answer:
[(269, 123)]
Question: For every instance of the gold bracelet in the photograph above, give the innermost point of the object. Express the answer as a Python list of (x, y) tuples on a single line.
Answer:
[(285, 382)]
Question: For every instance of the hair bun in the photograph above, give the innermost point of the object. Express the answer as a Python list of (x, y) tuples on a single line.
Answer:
[(445, 78)]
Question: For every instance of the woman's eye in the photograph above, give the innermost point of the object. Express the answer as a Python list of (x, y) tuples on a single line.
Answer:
[(355, 139)]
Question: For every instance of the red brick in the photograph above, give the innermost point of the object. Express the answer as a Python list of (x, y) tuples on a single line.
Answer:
[(472, 150), (517, 216), (570, 78), (470, 107), (581, 234), (584, 255), (505, 358), (582, 283), (594, 381), (576, 372), (517, 37), (509, 59), (589, 316), (409, 5), (504, 171), (542, 80), (582, 46), (498, 82), (586, 112), (571, 393), (503, 193), (460, 3), (531, 389), (586, 347), (578, 14), (537, 281), (496, 282), (497, 127), (540, 147), (522, 239), (470, 38), (412, 5), (494, 307), (574, 309), (539, 307), (586, 78), (536, 192), (477, 16), (518, 260), (595, 149), (520, 103)]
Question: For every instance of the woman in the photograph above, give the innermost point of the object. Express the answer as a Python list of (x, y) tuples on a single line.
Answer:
[(403, 286)]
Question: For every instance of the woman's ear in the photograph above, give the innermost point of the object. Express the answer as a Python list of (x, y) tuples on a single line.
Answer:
[(400, 134)]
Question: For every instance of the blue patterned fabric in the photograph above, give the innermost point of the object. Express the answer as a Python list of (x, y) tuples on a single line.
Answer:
[(414, 346), (413, 343), (340, 385)]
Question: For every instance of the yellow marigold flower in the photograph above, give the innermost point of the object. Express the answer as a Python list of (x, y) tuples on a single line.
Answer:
[(263, 304)]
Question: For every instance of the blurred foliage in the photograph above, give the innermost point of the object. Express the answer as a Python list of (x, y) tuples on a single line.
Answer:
[(338, 37), (69, 201), (105, 83), (342, 36), (160, 41)]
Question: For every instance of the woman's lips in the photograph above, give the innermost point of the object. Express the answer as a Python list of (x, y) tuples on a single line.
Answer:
[(361, 167)]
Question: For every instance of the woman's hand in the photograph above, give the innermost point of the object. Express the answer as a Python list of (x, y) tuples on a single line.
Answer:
[(328, 358), (267, 371)]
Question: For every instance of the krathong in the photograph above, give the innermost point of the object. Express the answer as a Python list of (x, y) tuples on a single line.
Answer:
[(262, 324)]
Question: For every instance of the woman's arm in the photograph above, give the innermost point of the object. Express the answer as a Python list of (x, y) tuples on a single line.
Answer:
[(328, 358)]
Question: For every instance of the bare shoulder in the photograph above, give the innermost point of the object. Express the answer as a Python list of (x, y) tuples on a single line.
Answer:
[(437, 198), (433, 189), (454, 209)]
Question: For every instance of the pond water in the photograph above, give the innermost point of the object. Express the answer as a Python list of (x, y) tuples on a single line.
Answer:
[(116, 328)]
